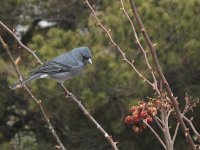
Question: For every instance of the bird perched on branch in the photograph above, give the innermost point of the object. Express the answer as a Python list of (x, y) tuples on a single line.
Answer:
[(61, 68)]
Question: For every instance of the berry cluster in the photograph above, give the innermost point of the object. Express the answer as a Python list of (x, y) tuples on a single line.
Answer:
[(140, 113)]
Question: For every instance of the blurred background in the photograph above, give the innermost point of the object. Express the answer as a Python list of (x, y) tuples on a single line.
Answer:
[(109, 87)]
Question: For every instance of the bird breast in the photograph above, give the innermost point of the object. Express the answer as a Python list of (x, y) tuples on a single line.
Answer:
[(62, 76)]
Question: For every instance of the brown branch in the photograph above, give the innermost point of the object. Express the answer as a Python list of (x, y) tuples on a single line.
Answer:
[(89, 116), (38, 102), (185, 110), (169, 113), (116, 46), (156, 135), (189, 121), (189, 106), (109, 138), (141, 48), (20, 43), (175, 132), (122, 53), (124, 58), (168, 136), (161, 75), (166, 133), (158, 122)]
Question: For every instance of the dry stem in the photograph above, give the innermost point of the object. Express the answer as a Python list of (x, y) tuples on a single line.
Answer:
[(156, 135), (89, 116), (68, 94), (38, 102), (141, 48), (161, 75), (116, 46)]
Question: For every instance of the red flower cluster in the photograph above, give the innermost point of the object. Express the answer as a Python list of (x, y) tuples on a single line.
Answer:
[(140, 113)]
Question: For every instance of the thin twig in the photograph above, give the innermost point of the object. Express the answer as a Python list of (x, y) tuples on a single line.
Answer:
[(169, 113), (158, 123), (185, 110), (164, 126), (161, 75), (141, 48), (156, 135), (38, 102), (20, 43), (191, 125), (109, 138), (187, 103), (89, 116), (175, 132), (116, 46), (166, 119)]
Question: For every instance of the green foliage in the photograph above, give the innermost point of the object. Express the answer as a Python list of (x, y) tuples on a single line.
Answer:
[(24, 140), (6, 146), (108, 87)]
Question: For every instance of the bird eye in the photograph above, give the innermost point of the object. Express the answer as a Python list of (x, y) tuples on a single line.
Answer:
[(84, 57)]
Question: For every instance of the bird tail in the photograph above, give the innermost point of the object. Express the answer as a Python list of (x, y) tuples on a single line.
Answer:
[(19, 84)]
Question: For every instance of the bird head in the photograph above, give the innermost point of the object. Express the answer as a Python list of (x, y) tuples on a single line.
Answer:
[(85, 54)]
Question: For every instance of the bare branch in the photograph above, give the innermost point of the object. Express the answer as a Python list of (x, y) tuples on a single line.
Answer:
[(168, 136), (109, 138), (169, 113), (161, 75), (38, 102), (158, 122), (116, 46), (20, 43), (141, 47), (189, 121), (156, 135), (165, 130), (89, 116), (175, 132)]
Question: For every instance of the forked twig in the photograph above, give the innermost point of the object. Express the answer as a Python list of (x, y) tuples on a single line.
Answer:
[(161, 75), (159, 123), (38, 102), (191, 126), (89, 116), (116, 46), (175, 132), (20, 43), (141, 48), (156, 135)]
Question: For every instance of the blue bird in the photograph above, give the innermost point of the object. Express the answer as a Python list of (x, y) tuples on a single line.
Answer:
[(61, 68)]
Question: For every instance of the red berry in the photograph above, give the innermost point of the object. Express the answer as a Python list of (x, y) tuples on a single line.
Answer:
[(134, 108), (153, 110), (142, 105), (128, 120), (135, 117), (144, 114), (149, 120)]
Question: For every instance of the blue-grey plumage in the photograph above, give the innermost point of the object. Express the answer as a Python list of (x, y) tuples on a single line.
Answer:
[(61, 68)]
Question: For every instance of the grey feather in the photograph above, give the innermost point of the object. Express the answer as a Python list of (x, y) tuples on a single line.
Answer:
[(61, 68), (30, 78)]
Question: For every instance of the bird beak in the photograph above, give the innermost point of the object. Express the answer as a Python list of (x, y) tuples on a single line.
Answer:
[(90, 60)]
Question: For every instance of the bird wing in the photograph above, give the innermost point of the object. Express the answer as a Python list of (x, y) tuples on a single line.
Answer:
[(52, 67)]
